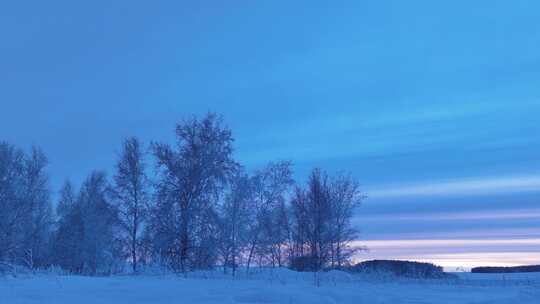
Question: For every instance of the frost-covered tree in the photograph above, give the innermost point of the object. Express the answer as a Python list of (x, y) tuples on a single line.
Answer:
[(68, 237), (86, 239), (12, 208), (321, 228), (345, 199), (25, 207), (267, 233), (131, 194), (234, 221), (299, 223), (99, 218), (204, 210), (192, 176), (66, 201), (319, 215), (37, 224)]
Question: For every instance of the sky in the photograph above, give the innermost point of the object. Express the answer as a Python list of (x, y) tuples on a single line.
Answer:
[(433, 106)]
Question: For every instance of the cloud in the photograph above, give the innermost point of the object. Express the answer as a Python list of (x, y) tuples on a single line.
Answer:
[(493, 233), (451, 253), (473, 186), (452, 243), (466, 261), (532, 213)]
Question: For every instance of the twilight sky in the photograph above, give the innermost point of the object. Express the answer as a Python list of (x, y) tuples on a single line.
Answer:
[(434, 106)]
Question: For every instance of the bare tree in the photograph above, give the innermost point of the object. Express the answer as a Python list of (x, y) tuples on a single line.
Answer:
[(322, 213), (12, 208), (319, 213), (39, 218), (25, 207), (234, 220), (299, 223), (205, 209), (131, 194), (271, 186), (192, 177), (345, 199)]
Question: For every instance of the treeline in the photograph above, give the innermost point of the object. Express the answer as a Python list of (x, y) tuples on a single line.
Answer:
[(514, 269), (197, 209), (408, 269)]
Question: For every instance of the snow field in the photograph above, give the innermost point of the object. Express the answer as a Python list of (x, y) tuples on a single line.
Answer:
[(268, 286)]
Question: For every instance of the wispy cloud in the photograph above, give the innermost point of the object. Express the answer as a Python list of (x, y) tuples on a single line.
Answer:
[(468, 260), (469, 186), (533, 213), (453, 243), (494, 233)]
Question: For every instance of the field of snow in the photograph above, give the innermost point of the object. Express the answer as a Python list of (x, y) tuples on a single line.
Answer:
[(277, 286)]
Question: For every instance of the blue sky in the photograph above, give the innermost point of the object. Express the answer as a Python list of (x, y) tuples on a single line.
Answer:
[(433, 106)]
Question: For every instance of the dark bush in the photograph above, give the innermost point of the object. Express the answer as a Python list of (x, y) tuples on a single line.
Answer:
[(532, 268), (401, 269), (304, 263)]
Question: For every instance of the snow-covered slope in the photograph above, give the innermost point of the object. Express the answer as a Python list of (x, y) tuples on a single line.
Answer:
[(278, 286)]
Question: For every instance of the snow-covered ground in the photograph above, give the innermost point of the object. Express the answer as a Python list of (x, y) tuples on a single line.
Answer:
[(277, 286)]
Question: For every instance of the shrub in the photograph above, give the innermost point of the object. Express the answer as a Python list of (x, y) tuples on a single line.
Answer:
[(304, 263), (401, 269)]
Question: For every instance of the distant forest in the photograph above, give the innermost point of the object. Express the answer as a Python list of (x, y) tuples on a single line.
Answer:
[(185, 206), (515, 269)]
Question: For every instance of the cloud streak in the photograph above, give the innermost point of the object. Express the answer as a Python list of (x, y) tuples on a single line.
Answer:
[(451, 253), (472, 186), (533, 213)]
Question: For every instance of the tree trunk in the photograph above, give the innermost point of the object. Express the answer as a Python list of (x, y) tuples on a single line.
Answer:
[(251, 251)]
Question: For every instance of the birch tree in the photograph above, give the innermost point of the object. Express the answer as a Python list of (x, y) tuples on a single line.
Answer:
[(321, 225), (234, 220), (271, 186), (192, 176), (25, 207), (131, 194)]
